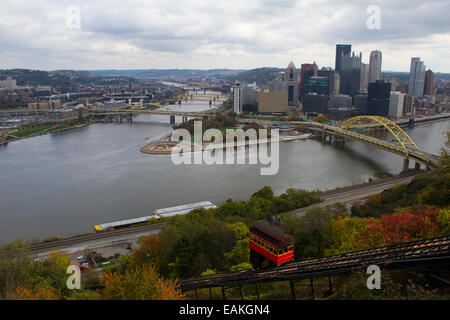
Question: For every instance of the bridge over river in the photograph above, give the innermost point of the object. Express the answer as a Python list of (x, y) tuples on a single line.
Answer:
[(377, 131)]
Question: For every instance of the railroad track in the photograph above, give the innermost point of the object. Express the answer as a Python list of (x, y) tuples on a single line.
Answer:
[(370, 185), (430, 250), (66, 242)]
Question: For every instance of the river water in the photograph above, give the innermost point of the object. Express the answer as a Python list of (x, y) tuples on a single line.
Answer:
[(64, 183)]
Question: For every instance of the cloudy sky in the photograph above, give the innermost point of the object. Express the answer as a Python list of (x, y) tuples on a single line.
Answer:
[(205, 34)]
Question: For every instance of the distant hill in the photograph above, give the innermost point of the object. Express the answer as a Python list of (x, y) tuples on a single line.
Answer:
[(60, 78), (167, 74), (404, 76), (259, 75)]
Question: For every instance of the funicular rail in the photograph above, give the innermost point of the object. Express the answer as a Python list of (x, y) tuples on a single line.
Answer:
[(434, 251)]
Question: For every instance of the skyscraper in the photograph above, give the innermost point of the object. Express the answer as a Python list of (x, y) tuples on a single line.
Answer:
[(330, 75), (351, 74), (416, 78), (317, 85), (378, 98), (308, 70), (396, 104), (365, 69), (237, 98), (429, 83), (342, 50), (291, 78), (375, 66)]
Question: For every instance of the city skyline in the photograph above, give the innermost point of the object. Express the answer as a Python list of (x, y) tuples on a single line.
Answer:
[(232, 35)]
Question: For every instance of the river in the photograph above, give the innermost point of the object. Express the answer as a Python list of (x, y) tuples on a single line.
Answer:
[(64, 183)]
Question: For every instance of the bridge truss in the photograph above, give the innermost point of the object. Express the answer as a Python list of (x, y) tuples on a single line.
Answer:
[(370, 124)]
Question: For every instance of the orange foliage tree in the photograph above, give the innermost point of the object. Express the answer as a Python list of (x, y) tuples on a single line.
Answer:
[(140, 283), (149, 250), (402, 227), (42, 293)]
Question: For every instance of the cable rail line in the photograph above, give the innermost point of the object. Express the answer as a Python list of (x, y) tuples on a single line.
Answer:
[(431, 251)]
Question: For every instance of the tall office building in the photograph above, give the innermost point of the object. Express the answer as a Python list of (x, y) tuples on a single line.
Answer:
[(317, 85), (378, 98), (337, 83), (308, 70), (237, 98), (408, 105), (429, 83), (330, 75), (375, 66), (365, 68), (243, 95), (314, 102), (416, 78), (396, 102), (338, 100), (351, 74), (291, 78), (341, 50), (360, 102)]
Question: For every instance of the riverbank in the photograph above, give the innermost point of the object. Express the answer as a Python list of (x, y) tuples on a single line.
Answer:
[(30, 133)]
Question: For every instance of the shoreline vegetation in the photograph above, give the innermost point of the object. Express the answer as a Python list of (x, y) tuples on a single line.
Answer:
[(41, 130)]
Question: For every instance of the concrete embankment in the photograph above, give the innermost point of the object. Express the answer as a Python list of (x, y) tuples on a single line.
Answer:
[(165, 147)]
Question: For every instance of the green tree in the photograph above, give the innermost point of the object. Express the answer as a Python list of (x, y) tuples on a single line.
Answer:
[(264, 193)]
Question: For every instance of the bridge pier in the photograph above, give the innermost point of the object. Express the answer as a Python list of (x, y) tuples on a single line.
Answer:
[(405, 164), (172, 119), (417, 166)]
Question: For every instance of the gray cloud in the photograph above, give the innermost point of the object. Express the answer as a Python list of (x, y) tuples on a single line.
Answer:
[(216, 34)]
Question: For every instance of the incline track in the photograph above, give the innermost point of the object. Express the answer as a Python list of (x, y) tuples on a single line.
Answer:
[(406, 254)]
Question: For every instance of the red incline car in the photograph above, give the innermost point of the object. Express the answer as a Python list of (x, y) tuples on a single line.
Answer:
[(271, 243)]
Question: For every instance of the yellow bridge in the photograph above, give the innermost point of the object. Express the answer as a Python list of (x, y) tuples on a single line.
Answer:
[(377, 131)]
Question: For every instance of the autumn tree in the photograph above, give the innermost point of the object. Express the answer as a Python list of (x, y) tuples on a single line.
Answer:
[(321, 118), (140, 283), (402, 227), (149, 250)]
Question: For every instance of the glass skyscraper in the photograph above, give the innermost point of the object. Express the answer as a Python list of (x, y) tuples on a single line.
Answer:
[(342, 50)]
